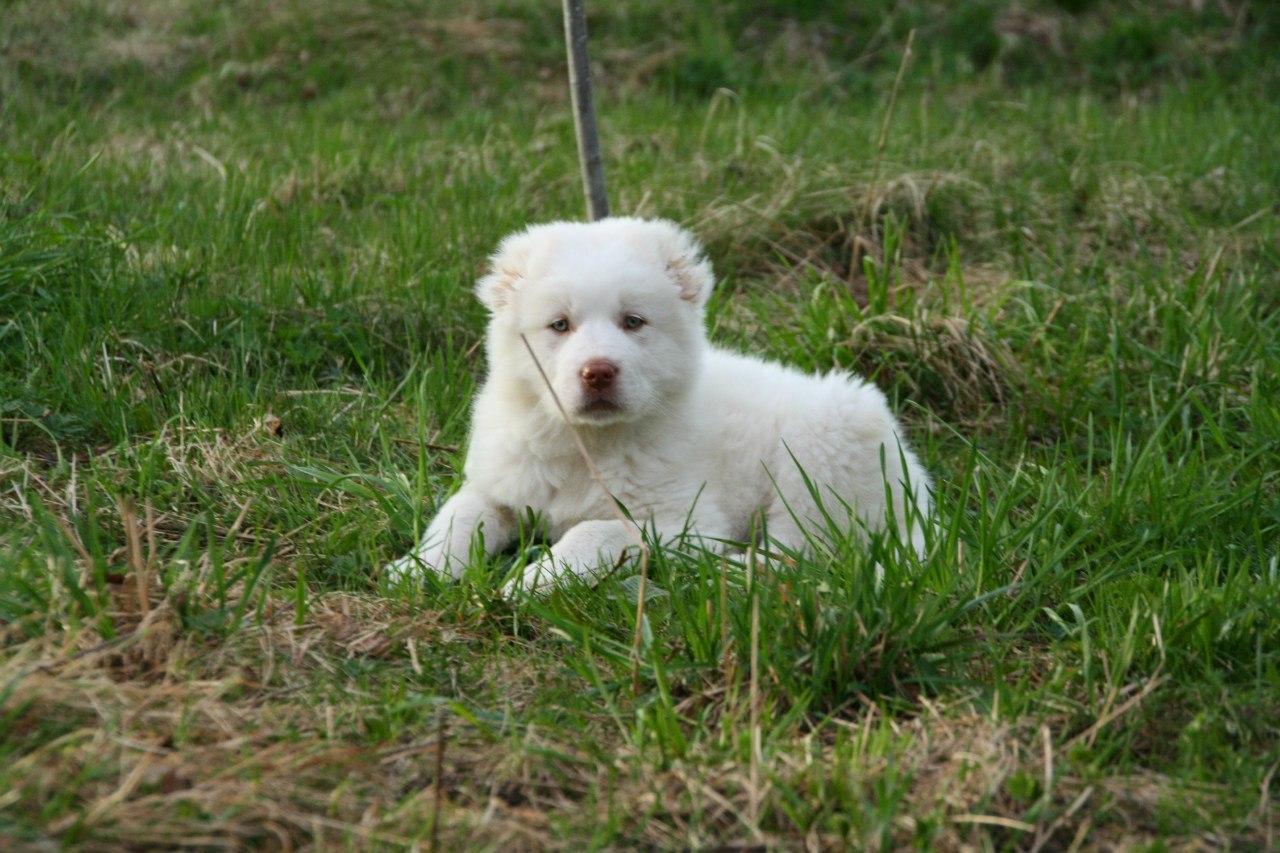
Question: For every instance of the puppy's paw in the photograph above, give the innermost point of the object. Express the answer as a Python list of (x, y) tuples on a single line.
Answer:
[(413, 567), (538, 578), (407, 569)]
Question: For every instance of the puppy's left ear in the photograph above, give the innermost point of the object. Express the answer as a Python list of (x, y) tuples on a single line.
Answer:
[(685, 263), (507, 267)]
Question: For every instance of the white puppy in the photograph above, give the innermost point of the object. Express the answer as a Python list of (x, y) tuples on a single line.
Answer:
[(687, 437)]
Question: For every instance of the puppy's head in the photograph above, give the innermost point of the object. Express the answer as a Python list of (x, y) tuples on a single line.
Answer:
[(612, 310)]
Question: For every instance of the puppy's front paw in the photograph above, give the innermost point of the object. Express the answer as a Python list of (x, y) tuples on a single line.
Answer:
[(407, 569), (412, 568), (537, 578)]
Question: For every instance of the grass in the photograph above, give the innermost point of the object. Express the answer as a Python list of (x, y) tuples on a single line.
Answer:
[(237, 344)]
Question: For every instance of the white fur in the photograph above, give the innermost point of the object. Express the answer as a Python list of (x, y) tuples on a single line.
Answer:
[(691, 438)]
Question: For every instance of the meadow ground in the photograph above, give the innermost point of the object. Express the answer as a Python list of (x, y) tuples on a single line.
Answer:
[(237, 344)]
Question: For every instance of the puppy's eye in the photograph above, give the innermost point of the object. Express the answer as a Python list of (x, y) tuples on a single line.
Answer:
[(559, 325), (631, 322)]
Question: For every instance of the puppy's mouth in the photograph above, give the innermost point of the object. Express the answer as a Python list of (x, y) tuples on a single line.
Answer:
[(599, 408)]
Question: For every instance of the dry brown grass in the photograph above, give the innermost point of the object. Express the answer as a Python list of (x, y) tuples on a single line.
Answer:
[(824, 221), (957, 371), (164, 738)]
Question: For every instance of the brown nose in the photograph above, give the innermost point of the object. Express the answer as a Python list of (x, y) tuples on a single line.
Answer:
[(599, 374)]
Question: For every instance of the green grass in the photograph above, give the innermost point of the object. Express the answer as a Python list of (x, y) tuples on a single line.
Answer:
[(237, 345)]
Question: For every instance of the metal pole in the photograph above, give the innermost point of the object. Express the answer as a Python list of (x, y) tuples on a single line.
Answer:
[(584, 110)]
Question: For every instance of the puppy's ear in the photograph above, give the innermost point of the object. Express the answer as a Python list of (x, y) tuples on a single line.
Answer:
[(507, 267), (682, 255)]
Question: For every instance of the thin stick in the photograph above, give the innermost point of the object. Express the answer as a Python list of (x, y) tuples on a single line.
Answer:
[(582, 449), (584, 110), (617, 512)]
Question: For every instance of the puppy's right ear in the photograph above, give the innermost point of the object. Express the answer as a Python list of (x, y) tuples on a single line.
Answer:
[(507, 267)]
